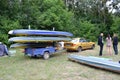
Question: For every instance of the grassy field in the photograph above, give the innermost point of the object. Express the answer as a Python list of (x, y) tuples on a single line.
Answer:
[(58, 67)]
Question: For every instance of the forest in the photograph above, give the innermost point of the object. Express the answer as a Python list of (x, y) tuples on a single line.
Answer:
[(83, 18)]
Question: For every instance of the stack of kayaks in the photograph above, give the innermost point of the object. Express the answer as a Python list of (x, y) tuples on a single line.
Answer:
[(25, 38), (97, 62)]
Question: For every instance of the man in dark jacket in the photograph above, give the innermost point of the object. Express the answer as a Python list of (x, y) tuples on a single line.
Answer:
[(115, 43), (100, 43)]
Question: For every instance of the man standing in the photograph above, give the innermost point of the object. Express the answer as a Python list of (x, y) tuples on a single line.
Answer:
[(115, 43), (100, 43), (61, 44)]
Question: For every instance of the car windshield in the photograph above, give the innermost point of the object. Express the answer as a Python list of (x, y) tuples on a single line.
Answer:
[(75, 40)]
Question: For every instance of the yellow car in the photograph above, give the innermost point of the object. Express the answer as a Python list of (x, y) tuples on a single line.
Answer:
[(78, 44)]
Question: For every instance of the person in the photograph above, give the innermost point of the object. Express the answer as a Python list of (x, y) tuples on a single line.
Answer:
[(115, 43), (3, 50), (100, 43), (61, 44), (109, 44)]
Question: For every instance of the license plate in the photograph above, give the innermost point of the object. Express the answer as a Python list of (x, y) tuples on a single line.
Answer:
[(68, 45)]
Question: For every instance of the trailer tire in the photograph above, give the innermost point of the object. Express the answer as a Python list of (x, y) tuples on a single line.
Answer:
[(46, 55)]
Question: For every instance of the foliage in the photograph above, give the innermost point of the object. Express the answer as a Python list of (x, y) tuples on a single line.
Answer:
[(45, 14), (39, 14), (5, 26), (86, 29), (54, 14), (96, 11), (116, 26)]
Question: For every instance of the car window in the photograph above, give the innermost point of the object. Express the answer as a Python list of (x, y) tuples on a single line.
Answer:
[(81, 40), (88, 40), (84, 40)]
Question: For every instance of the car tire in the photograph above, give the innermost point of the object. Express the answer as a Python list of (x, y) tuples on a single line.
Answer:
[(93, 46), (46, 55), (79, 49)]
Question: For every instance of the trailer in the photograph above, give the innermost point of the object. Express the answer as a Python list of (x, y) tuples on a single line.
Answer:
[(38, 43), (44, 52)]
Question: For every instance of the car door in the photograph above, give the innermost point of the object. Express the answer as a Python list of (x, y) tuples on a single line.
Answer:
[(87, 44), (82, 43)]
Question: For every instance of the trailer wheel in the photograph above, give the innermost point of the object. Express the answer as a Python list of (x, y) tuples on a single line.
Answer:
[(46, 55)]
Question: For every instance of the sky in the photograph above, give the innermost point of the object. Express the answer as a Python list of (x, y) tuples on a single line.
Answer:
[(110, 6)]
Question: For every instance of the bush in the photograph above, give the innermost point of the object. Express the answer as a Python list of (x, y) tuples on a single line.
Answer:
[(5, 26)]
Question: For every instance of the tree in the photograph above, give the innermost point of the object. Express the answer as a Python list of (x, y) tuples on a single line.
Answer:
[(95, 11), (116, 25), (54, 14), (39, 14), (5, 26)]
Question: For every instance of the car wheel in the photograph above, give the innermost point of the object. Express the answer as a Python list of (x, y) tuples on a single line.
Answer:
[(46, 55), (93, 46), (79, 49)]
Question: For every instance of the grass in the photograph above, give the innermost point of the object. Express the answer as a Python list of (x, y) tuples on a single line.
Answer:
[(20, 67)]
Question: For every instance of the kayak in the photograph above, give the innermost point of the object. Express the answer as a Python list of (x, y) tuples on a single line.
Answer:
[(101, 63), (37, 39), (27, 32)]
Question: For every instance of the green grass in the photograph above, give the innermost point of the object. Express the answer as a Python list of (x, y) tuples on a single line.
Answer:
[(20, 67)]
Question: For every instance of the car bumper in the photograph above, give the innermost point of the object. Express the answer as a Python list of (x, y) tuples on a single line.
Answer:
[(71, 48)]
